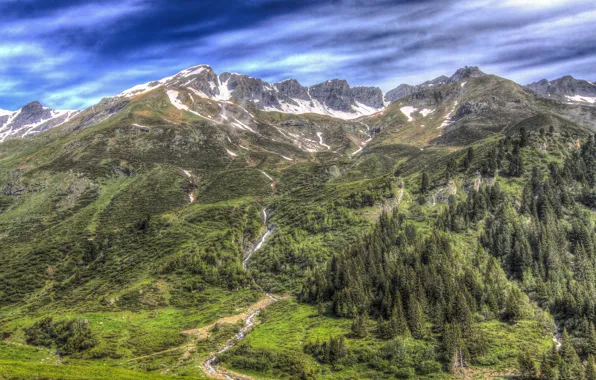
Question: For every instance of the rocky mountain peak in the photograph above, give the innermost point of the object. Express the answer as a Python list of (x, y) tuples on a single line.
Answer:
[(291, 89), (369, 96), (34, 106), (30, 120), (466, 72), (334, 94), (404, 90), (566, 88)]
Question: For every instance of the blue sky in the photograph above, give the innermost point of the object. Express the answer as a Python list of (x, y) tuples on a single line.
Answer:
[(69, 54)]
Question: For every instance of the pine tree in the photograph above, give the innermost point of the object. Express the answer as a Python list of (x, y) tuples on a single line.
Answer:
[(526, 366), (549, 366), (590, 368), (513, 305), (591, 340), (523, 137), (424, 183), (570, 367), (450, 169), (359, 326), (468, 158), (416, 318)]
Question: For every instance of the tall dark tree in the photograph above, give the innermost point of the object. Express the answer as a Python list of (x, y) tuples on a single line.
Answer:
[(424, 183)]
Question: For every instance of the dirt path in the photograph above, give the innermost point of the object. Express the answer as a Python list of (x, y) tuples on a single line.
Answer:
[(209, 367)]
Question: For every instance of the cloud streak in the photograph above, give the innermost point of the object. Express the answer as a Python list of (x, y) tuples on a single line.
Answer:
[(69, 55)]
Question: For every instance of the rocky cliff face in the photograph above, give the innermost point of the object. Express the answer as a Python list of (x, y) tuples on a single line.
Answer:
[(369, 96), (30, 120), (290, 89), (334, 94), (566, 88)]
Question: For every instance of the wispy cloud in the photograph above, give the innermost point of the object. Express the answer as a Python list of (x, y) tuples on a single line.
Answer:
[(69, 54)]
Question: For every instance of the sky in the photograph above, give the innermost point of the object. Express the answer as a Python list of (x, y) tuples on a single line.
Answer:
[(69, 54)]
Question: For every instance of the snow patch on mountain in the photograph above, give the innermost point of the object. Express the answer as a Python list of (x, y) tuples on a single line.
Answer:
[(173, 95), (425, 112), (300, 106), (243, 126), (408, 110), (448, 119), (223, 89), (579, 98), (320, 136), (193, 71)]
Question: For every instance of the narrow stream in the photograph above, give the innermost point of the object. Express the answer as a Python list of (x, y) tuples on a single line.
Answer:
[(214, 371), (261, 240), (557, 337)]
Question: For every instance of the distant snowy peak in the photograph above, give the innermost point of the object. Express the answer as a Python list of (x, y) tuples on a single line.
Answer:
[(31, 120), (566, 88), (334, 98)]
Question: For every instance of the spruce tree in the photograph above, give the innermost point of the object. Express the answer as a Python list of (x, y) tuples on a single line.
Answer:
[(570, 367), (523, 137), (424, 183), (526, 366), (416, 318), (590, 373), (359, 326), (591, 340)]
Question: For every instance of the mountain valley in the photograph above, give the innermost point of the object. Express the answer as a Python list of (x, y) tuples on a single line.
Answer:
[(219, 226)]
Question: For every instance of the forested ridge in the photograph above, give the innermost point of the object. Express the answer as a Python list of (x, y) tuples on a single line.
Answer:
[(413, 283)]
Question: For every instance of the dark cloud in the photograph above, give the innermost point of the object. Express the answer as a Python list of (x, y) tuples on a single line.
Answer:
[(69, 54)]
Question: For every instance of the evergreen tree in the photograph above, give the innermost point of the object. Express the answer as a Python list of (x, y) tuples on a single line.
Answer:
[(416, 318), (523, 137), (549, 367), (424, 183), (359, 326), (570, 367), (591, 340), (526, 366), (513, 306), (468, 158), (590, 373)]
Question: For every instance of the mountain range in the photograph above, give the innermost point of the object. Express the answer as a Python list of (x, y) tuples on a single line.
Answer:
[(219, 226), (333, 98)]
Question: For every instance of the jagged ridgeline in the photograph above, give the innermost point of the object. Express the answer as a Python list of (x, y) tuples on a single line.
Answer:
[(436, 231)]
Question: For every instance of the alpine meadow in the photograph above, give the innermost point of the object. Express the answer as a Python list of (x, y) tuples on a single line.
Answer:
[(245, 226)]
